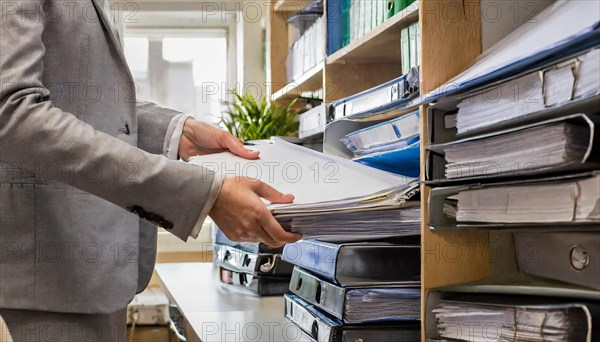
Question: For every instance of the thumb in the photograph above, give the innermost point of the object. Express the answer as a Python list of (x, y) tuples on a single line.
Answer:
[(269, 193), (235, 146)]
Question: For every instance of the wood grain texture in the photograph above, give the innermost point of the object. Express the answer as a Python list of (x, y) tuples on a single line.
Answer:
[(277, 48), (450, 42)]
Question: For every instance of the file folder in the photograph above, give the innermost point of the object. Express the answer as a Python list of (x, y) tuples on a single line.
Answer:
[(258, 285), (385, 97), (323, 328), (378, 138), (542, 39), (353, 264), (260, 264), (516, 291), (313, 121), (551, 203), (572, 257), (556, 145), (403, 161), (362, 304), (566, 81)]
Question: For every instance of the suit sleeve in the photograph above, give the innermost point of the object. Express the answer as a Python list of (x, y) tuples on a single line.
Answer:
[(35, 136), (156, 127)]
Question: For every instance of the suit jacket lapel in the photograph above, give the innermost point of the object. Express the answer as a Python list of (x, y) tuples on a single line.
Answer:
[(111, 31)]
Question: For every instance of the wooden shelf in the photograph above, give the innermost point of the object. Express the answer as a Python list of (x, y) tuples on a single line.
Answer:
[(291, 6), (309, 81), (380, 45)]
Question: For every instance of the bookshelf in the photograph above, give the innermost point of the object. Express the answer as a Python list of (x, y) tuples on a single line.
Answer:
[(453, 34)]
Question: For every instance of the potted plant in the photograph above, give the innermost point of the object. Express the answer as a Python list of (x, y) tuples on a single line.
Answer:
[(248, 119)]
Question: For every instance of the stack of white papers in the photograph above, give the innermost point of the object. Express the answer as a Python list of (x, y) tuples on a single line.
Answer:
[(576, 200), (575, 78), (493, 322), (518, 152), (320, 183), (355, 225)]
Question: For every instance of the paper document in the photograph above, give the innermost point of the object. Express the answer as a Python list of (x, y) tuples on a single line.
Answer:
[(320, 183), (469, 321), (518, 152), (576, 200), (575, 78)]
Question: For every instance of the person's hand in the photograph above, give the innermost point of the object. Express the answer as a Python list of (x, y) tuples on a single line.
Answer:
[(242, 216), (200, 138)]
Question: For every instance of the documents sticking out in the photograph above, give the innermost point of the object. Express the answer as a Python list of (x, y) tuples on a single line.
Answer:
[(359, 304), (555, 145), (560, 83), (321, 327), (322, 185), (393, 146), (538, 41), (360, 263), (482, 321), (569, 200)]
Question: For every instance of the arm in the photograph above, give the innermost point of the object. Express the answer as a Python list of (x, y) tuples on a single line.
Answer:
[(33, 131)]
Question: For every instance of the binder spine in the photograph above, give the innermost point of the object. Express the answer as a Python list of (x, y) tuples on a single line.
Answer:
[(261, 286), (257, 264), (316, 325), (315, 256), (326, 296)]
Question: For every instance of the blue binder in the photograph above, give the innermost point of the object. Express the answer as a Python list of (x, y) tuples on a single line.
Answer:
[(364, 263), (337, 25), (382, 98), (561, 18), (404, 161)]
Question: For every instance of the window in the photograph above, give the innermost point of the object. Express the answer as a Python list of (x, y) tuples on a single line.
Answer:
[(183, 69)]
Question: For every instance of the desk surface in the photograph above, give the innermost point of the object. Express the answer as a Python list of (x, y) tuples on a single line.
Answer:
[(218, 313)]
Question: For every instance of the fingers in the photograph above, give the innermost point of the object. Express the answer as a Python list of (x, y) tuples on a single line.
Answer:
[(269, 193), (274, 229), (235, 146)]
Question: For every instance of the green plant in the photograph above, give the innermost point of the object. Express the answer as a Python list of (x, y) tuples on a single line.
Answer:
[(249, 120)]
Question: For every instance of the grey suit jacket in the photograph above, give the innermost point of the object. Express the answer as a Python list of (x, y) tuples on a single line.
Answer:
[(81, 163)]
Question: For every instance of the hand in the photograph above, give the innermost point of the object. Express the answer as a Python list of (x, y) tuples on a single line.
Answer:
[(242, 216), (200, 138)]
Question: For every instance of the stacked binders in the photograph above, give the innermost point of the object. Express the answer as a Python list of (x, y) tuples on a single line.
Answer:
[(392, 146), (251, 267), (514, 150), (366, 290), (306, 34)]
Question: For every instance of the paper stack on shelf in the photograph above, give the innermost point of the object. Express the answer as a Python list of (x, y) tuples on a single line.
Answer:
[(522, 160), (251, 267), (484, 322), (573, 79), (575, 200), (517, 152), (544, 38)]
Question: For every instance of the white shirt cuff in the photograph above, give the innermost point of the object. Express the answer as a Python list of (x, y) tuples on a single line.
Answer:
[(174, 132), (215, 188)]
